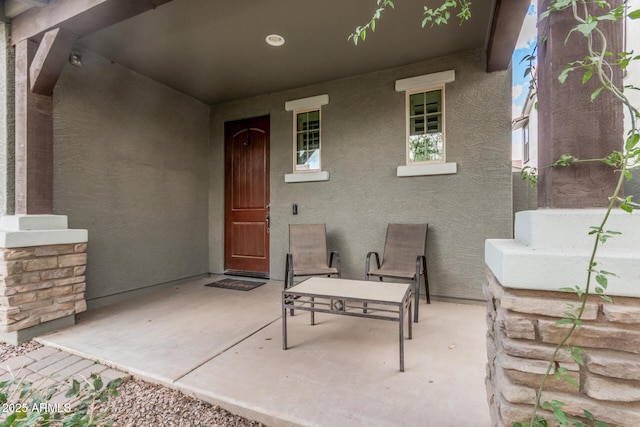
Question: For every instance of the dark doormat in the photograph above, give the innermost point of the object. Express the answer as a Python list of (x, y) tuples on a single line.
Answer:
[(238, 285)]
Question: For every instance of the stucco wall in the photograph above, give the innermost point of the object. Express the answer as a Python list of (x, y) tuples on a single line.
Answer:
[(525, 197), (363, 141), (7, 123), (130, 162)]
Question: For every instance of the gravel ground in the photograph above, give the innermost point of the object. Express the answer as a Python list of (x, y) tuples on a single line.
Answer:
[(142, 404)]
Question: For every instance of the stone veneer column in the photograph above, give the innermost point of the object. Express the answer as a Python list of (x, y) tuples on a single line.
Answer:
[(550, 251), (42, 275)]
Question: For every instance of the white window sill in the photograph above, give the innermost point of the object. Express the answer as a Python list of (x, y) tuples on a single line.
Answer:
[(307, 176), (428, 169)]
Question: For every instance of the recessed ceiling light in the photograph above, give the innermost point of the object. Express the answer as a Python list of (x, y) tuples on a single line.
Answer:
[(274, 40)]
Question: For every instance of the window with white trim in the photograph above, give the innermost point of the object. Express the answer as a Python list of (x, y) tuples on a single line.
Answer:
[(307, 125), (425, 134)]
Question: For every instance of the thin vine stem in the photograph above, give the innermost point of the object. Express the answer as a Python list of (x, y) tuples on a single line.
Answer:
[(599, 62)]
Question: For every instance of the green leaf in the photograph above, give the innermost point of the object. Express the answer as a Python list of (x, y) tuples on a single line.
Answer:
[(602, 280), (97, 383), (635, 14), (564, 74), (570, 380), (74, 390), (564, 322), (632, 141), (560, 415), (588, 415), (577, 356), (587, 28), (607, 298), (626, 207), (21, 414), (113, 384), (595, 93), (587, 76)]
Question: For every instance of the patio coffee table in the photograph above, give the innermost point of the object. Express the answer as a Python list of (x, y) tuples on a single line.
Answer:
[(373, 300)]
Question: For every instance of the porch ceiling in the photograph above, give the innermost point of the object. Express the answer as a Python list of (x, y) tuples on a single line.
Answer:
[(215, 50)]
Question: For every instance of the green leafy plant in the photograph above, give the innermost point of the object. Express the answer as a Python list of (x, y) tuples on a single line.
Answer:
[(25, 404), (361, 32), (435, 16)]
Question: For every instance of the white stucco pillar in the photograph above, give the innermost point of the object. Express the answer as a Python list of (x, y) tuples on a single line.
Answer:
[(551, 250)]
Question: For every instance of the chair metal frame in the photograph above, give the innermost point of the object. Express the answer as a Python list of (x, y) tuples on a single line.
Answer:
[(421, 269)]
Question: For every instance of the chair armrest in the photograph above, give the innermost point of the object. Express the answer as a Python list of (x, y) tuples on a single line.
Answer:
[(368, 264), (335, 255)]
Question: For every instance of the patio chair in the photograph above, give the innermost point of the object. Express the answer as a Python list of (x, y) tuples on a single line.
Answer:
[(403, 258), (308, 253)]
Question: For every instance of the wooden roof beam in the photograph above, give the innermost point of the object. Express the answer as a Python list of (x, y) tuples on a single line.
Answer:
[(79, 17), (50, 58), (508, 17)]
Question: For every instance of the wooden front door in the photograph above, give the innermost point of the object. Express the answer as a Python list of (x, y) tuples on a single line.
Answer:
[(246, 172)]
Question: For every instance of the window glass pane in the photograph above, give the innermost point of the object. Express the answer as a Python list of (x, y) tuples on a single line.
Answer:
[(302, 157), (416, 102), (314, 159), (313, 120), (308, 140), (314, 140), (432, 102), (425, 127), (433, 123), (302, 145), (425, 147), (302, 121)]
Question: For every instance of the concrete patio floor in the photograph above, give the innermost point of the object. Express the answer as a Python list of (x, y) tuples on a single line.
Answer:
[(225, 347)]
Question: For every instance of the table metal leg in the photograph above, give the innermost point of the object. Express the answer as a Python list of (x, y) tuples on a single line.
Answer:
[(402, 336), (409, 320), (313, 318), (284, 323)]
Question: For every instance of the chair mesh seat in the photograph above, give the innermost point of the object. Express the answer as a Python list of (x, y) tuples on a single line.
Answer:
[(388, 272), (314, 271), (308, 253)]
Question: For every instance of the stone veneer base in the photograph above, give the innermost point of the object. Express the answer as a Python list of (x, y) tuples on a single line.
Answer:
[(42, 275), (522, 335), (24, 335)]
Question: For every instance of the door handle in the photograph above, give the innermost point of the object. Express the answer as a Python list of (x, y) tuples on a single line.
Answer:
[(268, 218)]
